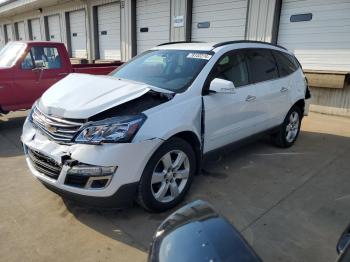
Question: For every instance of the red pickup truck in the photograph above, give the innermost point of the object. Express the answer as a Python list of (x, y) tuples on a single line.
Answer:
[(28, 69)]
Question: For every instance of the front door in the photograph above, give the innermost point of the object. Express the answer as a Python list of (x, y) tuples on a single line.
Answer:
[(230, 117), (40, 69)]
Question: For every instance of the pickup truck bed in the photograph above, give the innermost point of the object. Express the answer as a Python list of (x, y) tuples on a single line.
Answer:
[(95, 69)]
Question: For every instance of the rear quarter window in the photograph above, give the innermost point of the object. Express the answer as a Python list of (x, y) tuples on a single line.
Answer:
[(286, 63)]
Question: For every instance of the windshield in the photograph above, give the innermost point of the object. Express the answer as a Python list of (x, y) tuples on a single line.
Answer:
[(10, 53), (173, 70)]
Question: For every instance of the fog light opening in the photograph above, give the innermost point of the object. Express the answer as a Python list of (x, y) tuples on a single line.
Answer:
[(90, 177)]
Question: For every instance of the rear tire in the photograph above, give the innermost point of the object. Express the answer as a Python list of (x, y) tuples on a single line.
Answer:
[(289, 130), (167, 176)]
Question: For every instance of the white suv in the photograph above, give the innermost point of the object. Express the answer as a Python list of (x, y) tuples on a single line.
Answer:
[(140, 133)]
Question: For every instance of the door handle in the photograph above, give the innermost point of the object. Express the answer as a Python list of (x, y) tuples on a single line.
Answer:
[(62, 74), (284, 89), (250, 98)]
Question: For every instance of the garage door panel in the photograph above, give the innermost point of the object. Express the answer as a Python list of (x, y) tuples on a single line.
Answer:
[(54, 28), (78, 34), (154, 22), (109, 31), (155, 16), (309, 3), (20, 31), (323, 42), (160, 16), (226, 20), (223, 15), (36, 30), (155, 36), (202, 3), (221, 6), (9, 32)]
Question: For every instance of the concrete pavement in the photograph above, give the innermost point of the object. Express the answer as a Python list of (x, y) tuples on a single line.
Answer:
[(291, 205)]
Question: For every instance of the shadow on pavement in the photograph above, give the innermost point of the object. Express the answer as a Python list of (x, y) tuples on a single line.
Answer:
[(245, 184), (10, 133)]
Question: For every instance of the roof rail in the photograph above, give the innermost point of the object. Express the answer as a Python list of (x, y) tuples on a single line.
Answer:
[(179, 42), (246, 41)]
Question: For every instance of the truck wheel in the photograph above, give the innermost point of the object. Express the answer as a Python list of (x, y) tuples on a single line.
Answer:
[(289, 130), (167, 176)]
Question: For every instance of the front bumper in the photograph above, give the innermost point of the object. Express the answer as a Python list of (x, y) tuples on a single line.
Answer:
[(129, 158)]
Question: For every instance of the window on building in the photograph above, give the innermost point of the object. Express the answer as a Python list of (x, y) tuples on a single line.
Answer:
[(262, 66)]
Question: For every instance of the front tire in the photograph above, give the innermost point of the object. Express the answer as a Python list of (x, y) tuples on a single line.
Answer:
[(289, 130), (167, 176)]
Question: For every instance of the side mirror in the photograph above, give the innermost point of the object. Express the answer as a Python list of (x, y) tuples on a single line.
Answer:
[(344, 241), (196, 232), (222, 86)]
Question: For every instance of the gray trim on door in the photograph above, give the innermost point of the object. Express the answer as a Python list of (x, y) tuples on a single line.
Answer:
[(133, 29), (5, 33), (30, 29), (68, 34), (276, 21), (96, 36), (46, 28), (246, 20), (189, 9), (16, 31)]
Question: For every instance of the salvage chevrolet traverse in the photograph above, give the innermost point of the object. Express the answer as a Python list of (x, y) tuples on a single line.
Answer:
[(140, 133)]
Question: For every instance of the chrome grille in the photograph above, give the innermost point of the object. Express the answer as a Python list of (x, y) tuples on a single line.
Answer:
[(44, 164), (58, 129)]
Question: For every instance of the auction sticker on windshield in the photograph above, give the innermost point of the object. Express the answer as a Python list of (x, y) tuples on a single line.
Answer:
[(199, 56)]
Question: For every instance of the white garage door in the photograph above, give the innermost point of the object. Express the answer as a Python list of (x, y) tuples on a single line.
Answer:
[(78, 34), (109, 31), (36, 32), (9, 32), (152, 23), (20, 31), (222, 20), (54, 28), (321, 37)]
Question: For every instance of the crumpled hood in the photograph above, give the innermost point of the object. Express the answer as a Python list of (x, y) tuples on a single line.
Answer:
[(80, 96)]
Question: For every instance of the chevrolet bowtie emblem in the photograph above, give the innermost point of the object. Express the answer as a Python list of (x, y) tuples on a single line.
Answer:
[(51, 129)]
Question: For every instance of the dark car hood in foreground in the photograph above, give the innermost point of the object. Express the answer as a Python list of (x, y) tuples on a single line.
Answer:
[(197, 232)]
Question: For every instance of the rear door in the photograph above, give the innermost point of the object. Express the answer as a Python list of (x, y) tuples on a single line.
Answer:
[(230, 117), (263, 74), (284, 86)]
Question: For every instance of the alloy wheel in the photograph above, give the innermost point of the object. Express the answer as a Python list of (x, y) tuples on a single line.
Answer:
[(292, 127), (170, 176)]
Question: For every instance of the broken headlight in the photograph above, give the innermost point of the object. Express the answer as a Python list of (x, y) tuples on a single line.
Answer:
[(111, 130)]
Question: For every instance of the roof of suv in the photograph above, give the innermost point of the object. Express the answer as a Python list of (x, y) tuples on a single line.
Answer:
[(202, 46)]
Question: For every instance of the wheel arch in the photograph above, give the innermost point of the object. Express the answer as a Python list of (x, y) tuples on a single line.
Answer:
[(192, 138), (301, 105)]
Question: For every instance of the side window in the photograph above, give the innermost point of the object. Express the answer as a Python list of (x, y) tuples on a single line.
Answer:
[(232, 67), (47, 57), (262, 65), (27, 62), (286, 64)]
